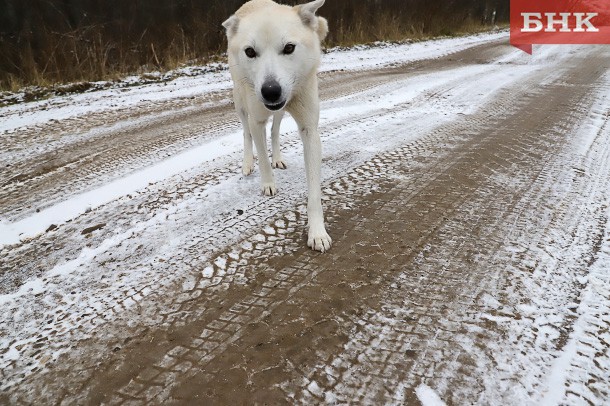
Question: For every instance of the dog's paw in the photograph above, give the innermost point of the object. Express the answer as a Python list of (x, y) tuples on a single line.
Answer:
[(319, 241), (269, 189), (247, 168), (279, 164)]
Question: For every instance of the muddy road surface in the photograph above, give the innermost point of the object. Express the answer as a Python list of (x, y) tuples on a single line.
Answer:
[(467, 194)]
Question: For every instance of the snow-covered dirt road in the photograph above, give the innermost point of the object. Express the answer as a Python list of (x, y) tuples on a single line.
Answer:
[(466, 187)]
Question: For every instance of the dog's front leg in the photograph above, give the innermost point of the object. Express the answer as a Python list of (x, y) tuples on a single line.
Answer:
[(247, 166), (306, 112), (276, 152), (318, 239), (258, 131)]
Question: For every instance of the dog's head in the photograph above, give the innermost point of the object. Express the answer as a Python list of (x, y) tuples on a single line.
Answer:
[(274, 49)]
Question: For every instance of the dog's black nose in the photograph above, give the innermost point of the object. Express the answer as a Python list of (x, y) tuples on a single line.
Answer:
[(271, 91)]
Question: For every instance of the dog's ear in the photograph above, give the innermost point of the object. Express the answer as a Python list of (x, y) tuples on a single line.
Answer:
[(322, 29), (231, 25), (307, 12)]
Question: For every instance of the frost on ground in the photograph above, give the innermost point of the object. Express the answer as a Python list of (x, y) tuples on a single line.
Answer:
[(189, 84), (470, 214), (561, 319), (428, 397)]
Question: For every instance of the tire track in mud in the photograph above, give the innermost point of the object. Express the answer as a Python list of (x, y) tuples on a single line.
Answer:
[(81, 165), (554, 273), (225, 267), (439, 350), (141, 207), (264, 210), (73, 169), (210, 373), (446, 344), (236, 225), (255, 315)]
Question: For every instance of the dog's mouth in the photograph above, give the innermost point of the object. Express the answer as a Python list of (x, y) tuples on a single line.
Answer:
[(275, 107)]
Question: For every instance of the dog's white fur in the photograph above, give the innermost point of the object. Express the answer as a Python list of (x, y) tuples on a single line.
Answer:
[(267, 27)]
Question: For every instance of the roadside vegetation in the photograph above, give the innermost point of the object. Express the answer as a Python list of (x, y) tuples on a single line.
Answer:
[(49, 42)]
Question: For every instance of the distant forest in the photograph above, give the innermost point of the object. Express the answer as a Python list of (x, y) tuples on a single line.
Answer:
[(48, 41)]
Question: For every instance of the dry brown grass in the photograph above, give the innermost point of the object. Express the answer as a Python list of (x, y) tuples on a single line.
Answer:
[(63, 48)]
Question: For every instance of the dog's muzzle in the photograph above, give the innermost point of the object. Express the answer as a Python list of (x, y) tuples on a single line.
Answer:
[(275, 107), (272, 95)]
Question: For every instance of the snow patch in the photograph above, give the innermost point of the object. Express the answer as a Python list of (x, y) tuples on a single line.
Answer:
[(65, 107), (342, 109), (428, 397)]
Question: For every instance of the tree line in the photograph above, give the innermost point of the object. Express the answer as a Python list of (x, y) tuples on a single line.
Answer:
[(48, 41)]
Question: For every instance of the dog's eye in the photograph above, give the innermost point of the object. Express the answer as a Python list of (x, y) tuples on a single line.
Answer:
[(250, 52), (289, 48)]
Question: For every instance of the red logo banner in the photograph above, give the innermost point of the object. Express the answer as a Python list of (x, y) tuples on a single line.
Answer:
[(559, 22)]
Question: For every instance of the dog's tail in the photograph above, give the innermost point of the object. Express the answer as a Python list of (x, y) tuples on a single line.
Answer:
[(322, 29)]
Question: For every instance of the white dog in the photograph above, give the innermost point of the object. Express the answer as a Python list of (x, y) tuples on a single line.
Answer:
[(274, 54)]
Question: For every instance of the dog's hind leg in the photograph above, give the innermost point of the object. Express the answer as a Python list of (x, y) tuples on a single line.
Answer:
[(247, 166), (277, 160), (258, 129)]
